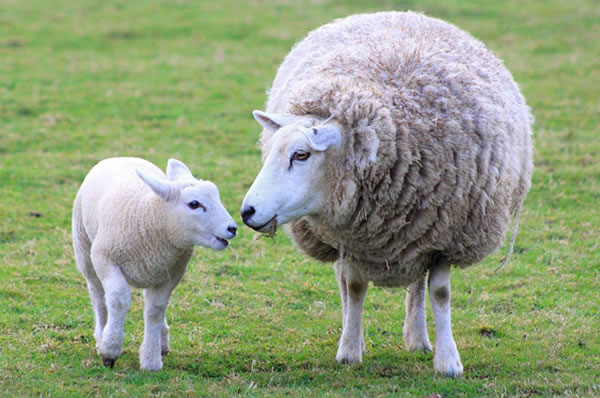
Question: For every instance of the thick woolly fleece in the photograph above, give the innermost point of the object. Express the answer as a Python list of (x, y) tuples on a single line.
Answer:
[(437, 143)]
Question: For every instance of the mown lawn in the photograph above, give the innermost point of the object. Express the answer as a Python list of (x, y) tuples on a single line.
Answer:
[(82, 81)]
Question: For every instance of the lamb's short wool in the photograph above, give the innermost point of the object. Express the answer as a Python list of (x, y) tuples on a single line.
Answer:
[(134, 225), (395, 145)]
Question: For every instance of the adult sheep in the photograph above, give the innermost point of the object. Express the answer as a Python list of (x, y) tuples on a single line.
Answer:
[(395, 145), (134, 225)]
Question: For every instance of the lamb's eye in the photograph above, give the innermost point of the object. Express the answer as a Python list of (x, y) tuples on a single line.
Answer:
[(301, 156), (194, 204)]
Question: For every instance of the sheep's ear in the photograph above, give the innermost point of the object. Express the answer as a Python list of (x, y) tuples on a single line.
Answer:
[(163, 188), (274, 121), (176, 170), (322, 137)]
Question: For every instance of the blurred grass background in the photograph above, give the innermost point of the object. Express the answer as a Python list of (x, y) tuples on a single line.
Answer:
[(82, 81)]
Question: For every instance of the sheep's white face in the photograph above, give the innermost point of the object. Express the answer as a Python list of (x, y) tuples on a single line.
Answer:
[(290, 183), (195, 206)]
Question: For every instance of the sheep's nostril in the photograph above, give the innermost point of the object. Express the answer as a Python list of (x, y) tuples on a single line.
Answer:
[(247, 213), (232, 229)]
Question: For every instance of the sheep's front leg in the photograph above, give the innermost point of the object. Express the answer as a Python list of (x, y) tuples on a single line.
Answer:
[(446, 359), (415, 324), (118, 300), (156, 329), (351, 345)]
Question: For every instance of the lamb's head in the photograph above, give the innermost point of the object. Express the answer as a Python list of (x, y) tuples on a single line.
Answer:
[(292, 182), (194, 210)]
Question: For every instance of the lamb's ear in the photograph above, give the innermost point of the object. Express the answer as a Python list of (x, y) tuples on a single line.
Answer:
[(274, 121), (322, 137), (176, 169), (163, 188)]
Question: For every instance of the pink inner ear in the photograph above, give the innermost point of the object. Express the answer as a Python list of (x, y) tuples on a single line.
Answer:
[(270, 122)]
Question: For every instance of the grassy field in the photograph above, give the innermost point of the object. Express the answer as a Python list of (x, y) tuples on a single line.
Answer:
[(82, 81)]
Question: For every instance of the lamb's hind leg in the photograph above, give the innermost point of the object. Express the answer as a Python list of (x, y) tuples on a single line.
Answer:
[(118, 301), (352, 345), (446, 359), (84, 263), (415, 324)]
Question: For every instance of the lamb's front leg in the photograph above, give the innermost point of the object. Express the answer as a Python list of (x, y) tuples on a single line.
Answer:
[(155, 308), (415, 323), (156, 330), (446, 359), (352, 344), (164, 338)]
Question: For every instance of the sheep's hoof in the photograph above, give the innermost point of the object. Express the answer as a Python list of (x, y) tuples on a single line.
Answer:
[(451, 369), (163, 353), (424, 346), (348, 357), (109, 362), (453, 373)]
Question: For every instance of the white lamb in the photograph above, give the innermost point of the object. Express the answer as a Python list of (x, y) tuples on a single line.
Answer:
[(395, 145), (134, 225)]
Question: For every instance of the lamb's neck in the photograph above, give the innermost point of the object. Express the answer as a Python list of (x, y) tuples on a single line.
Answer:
[(157, 225)]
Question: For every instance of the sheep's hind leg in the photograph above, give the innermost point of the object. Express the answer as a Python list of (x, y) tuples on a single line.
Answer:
[(341, 281), (415, 323), (446, 359), (118, 301), (352, 344)]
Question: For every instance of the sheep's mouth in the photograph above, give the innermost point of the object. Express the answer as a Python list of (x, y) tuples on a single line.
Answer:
[(269, 228)]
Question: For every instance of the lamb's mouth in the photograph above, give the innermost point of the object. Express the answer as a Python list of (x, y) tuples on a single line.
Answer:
[(269, 228), (223, 241)]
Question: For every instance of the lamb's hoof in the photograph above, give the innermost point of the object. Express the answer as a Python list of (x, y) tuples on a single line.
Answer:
[(163, 353), (151, 366), (109, 362)]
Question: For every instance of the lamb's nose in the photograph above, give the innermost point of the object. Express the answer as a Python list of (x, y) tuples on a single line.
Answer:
[(233, 230), (247, 213)]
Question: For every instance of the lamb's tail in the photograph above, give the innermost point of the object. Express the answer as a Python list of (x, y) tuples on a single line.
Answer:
[(512, 239)]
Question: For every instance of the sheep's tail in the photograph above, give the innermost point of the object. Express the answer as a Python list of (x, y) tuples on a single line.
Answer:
[(512, 239)]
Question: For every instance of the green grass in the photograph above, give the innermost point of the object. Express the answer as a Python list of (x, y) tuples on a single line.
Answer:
[(82, 81)]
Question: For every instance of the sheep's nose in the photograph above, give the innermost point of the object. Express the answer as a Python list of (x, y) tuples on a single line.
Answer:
[(247, 213), (233, 230)]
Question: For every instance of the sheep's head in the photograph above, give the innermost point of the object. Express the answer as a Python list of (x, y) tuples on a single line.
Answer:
[(195, 212), (291, 183)]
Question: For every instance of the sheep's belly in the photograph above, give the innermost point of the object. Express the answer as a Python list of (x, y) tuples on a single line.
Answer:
[(386, 275)]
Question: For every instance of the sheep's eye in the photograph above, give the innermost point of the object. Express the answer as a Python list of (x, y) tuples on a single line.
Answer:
[(194, 204), (301, 156)]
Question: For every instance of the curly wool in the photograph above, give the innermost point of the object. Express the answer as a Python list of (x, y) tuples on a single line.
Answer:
[(437, 143)]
